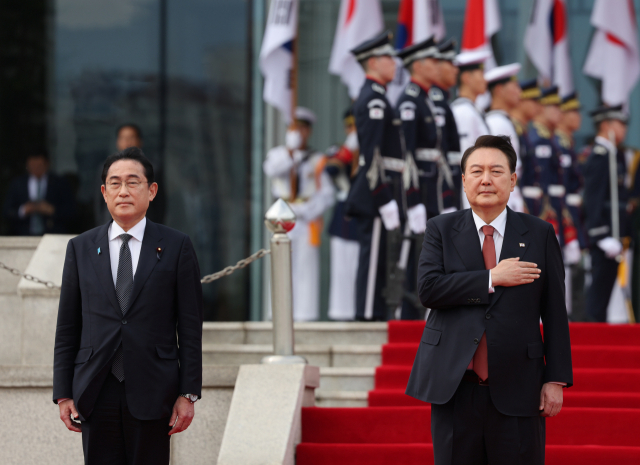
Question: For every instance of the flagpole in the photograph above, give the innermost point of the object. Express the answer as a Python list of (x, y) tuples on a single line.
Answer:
[(294, 103)]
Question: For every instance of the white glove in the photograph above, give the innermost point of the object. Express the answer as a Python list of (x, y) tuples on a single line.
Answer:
[(610, 246), (417, 218), (293, 139), (352, 141), (449, 210), (390, 215), (572, 253)]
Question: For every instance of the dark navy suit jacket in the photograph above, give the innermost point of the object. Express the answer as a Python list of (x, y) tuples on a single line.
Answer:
[(165, 310), (453, 282)]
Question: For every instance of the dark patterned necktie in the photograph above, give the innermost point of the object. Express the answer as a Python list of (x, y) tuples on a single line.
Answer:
[(124, 286)]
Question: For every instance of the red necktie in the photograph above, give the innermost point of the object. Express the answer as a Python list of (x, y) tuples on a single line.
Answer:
[(480, 361)]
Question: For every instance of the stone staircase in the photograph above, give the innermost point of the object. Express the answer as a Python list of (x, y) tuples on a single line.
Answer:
[(347, 353)]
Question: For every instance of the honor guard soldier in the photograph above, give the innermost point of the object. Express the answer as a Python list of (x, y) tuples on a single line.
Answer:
[(297, 176), (570, 122), (343, 231), (469, 119), (522, 115), (547, 154), (423, 142), (611, 130), (376, 195), (505, 96), (439, 94)]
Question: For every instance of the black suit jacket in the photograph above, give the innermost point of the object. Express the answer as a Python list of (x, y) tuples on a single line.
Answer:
[(453, 282), (59, 194), (165, 310)]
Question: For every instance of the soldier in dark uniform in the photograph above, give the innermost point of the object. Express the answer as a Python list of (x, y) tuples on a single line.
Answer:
[(570, 122), (522, 115), (376, 195), (424, 159), (547, 159), (604, 247), (450, 142)]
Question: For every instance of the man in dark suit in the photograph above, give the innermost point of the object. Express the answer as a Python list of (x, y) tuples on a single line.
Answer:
[(481, 362), (130, 294), (39, 202)]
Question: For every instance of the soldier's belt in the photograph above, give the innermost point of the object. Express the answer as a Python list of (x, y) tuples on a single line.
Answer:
[(531, 192), (454, 158), (573, 200), (428, 154), (393, 164), (599, 231), (556, 190)]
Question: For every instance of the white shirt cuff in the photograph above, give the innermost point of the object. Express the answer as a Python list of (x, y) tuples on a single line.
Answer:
[(491, 289)]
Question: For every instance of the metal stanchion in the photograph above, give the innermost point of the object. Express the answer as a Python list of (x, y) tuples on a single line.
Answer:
[(279, 220)]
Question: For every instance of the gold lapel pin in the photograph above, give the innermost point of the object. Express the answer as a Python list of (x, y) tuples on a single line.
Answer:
[(521, 244), (158, 252)]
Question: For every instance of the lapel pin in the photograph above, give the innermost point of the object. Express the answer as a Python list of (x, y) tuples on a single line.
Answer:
[(99, 251), (158, 252), (521, 244)]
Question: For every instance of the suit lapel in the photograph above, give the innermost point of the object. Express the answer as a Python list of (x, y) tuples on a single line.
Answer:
[(512, 245), (102, 264), (467, 243), (148, 259)]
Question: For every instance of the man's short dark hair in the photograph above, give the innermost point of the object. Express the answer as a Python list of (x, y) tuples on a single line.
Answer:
[(132, 153), (133, 126), (37, 152), (502, 143)]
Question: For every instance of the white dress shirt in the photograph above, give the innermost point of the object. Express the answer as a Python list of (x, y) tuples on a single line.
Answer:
[(135, 244), (37, 189), (499, 224)]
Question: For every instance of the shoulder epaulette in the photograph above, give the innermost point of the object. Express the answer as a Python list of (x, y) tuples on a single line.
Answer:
[(564, 140), (412, 90), (436, 94), (518, 125), (600, 150), (378, 88), (542, 130)]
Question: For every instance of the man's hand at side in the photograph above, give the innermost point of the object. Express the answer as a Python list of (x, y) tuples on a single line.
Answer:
[(183, 412), (513, 272), (68, 408), (550, 400)]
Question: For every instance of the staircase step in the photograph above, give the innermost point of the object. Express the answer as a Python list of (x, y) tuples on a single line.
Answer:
[(422, 454), (341, 398), (410, 425), (592, 356), (397, 398), (316, 354), (328, 333), (581, 333), (347, 378), (584, 379)]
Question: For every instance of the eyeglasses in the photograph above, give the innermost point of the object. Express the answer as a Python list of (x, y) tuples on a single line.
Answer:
[(115, 186)]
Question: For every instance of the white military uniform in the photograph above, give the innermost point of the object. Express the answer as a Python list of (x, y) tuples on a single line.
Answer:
[(315, 194), (500, 124), (471, 125)]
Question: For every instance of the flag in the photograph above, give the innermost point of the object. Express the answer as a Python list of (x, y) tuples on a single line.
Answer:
[(358, 21), (418, 20), (547, 44), (481, 21), (613, 55), (276, 55)]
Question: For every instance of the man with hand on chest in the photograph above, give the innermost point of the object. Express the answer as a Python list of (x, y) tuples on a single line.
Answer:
[(130, 293), (489, 275)]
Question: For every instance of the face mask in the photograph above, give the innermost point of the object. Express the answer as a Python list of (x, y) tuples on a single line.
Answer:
[(293, 139), (352, 141)]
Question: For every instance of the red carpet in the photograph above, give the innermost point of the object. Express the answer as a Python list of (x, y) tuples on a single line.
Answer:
[(599, 423)]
